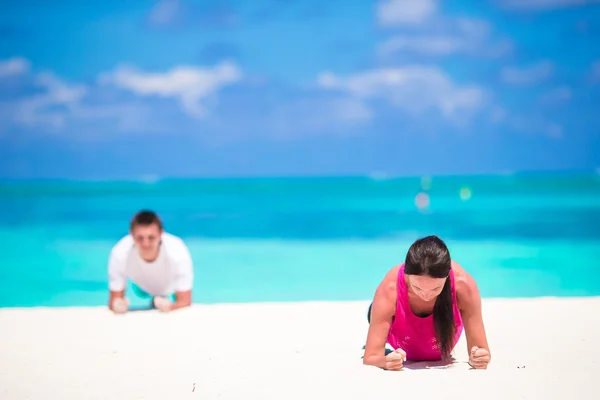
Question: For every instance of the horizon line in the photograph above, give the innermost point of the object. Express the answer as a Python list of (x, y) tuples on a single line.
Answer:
[(375, 175)]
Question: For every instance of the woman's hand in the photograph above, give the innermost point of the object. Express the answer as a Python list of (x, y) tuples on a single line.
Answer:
[(395, 360), (479, 358)]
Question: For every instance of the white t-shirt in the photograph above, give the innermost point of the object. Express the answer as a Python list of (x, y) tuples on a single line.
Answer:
[(171, 272)]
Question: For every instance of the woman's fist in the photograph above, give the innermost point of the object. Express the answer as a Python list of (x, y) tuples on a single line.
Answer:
[(479, 358), (395, 360)]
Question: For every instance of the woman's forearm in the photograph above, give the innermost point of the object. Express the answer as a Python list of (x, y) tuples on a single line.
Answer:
[(375, 361)]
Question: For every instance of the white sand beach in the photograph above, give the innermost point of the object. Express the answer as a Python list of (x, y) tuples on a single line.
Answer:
[(542, 349)]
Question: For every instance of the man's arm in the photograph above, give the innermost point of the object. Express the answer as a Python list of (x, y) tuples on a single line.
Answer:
[(113, 296), (117, 280), (184, 279), (382, 313), (182, 299)]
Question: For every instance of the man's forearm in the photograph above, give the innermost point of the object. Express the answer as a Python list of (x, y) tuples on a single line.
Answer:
[(115, 295), (179, 304), (182, 299)]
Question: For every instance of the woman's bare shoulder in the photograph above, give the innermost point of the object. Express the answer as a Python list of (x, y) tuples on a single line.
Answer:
[(389, 284), (466, 287)]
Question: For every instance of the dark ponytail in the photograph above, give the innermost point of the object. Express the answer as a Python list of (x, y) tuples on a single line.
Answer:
[(430, 256), (443, 320)]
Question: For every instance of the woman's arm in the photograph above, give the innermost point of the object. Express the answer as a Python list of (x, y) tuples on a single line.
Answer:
[(469, 303), (382, 313)]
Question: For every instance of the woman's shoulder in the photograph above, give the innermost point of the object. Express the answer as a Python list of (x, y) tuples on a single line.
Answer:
[(467, 292), (389, 283), (391, 277)]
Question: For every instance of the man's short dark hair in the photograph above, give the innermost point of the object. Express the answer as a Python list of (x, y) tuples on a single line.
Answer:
[(145, 217)]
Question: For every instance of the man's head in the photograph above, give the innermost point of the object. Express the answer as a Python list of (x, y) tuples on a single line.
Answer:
[(146, 229)]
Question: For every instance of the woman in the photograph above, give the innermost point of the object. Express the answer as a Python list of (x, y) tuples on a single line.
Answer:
[(420, 309)]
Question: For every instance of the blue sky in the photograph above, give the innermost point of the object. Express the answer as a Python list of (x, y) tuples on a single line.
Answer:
[(123, 89)]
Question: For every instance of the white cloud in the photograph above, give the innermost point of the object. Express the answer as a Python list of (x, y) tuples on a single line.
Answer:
[(527, 75), (164, 12), (14, 66), (305, 114), (529, 123), (446, 36), (52, 106), (473, 26), (59, 104), (556, 96), (405, 12), (310, 116), (350, 111), (186, 83), (415, 89), (102, 110), (541, 5), (440, 45), (497, 49)]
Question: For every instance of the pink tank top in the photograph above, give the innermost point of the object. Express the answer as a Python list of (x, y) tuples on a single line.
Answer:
[(416, 335)]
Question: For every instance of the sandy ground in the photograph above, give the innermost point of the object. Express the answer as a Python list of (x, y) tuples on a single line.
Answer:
[(542, 349)]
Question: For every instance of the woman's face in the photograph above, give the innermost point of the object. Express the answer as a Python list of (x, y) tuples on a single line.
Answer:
[(426, 287)]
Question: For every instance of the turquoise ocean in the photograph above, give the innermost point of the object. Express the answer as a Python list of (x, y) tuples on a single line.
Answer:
[(300, 239)]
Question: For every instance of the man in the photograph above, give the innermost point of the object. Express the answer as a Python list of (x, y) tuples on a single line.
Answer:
[(158, 264)]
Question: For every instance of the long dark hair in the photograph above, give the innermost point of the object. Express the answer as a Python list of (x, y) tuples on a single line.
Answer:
[(429, 256)]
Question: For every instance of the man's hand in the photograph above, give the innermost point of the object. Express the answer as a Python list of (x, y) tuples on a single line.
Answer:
[(120, 305), (479, 358), (162, 303), (395, 360)]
